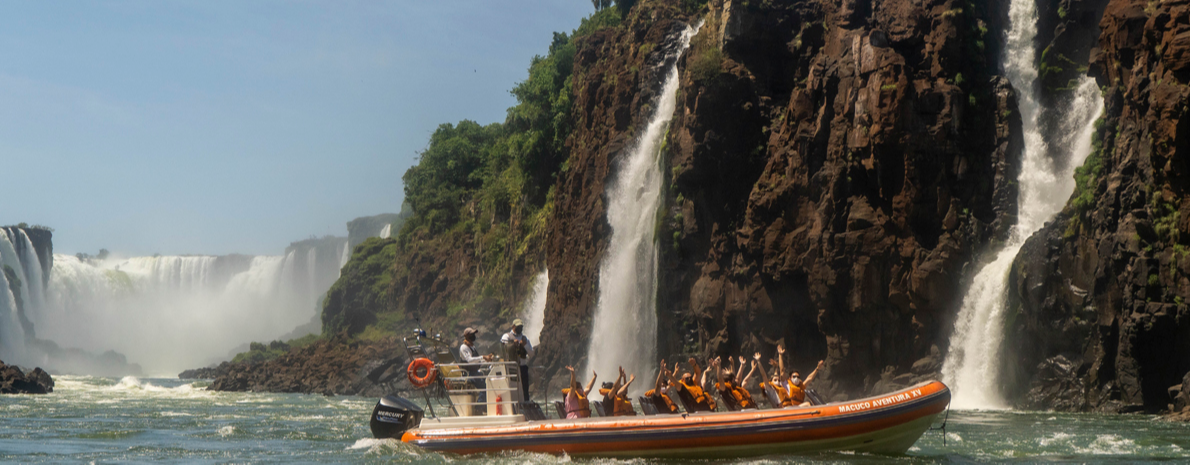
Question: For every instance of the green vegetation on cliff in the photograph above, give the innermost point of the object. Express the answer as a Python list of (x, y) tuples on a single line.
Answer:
[(480, 194)]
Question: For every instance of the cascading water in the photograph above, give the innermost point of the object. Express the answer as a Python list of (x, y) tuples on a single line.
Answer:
[(534, 311), (386, 231), (971, 366), (624, 329)]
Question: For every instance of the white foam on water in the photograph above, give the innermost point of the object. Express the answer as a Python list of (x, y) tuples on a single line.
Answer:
[(226, 431), (1108, 444)]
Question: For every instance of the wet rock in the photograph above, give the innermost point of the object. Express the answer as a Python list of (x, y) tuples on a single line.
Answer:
[(15, 381)]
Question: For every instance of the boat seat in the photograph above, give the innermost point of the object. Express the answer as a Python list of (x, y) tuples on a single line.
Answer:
[(532, 411), (561, 408), (647, 406), (813, 397), (729, 402), (597, 408), (771, 396)]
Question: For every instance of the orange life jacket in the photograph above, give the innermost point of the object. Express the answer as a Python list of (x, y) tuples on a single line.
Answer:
[(665, 400), (584, 409), (623, 407), (742, 397), (698, 397), (782, 394), (797, 395)]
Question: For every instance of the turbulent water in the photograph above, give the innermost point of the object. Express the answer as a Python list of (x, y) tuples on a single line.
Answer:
[(89, 419), (1046, 182), (534, 311), (624, 329)]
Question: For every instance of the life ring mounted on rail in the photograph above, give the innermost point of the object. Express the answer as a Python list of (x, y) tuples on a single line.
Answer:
[(421, 372)]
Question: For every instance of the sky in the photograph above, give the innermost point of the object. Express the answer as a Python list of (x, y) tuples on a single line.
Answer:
[(216, 127)]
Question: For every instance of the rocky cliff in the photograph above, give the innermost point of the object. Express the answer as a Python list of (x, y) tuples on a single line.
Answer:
[(833, 169), (1099, 312)]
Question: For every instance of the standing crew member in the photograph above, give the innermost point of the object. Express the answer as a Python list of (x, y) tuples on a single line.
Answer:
[(470, 355), (524, 351)]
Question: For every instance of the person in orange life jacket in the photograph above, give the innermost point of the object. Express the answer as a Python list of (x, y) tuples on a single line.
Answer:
[(693, 393), (525, 349), (776, 394), (470, 355), (659, 395), (615, 401), (797, 387), (576, 404), (731, 392)]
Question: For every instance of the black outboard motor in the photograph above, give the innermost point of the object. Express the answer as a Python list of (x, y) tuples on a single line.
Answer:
[(393, 416)]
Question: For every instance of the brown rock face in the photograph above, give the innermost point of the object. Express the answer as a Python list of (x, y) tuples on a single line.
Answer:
[(331, 367), (832, 171), (834, 180), (1099, 314)]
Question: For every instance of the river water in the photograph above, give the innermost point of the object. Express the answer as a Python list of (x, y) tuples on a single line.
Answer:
[(104, 420)]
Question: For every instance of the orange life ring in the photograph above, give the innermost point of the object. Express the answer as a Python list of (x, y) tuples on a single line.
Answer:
[(415, 375)]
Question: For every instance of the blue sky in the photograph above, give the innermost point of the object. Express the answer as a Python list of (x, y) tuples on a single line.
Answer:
[(199, 127)]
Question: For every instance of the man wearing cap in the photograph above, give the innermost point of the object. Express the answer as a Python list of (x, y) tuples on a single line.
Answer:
[(468, 353), (524, 351)]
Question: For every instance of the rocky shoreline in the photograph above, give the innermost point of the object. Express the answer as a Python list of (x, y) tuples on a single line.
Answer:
[(330, 367), (13, 380)]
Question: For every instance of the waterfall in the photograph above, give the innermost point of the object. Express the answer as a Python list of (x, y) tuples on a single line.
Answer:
[(533, 312), (165, 313), (386, 231), (972, 364), (624, 329)]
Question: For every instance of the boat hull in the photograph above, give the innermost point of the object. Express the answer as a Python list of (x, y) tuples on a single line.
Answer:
[(887, 424)]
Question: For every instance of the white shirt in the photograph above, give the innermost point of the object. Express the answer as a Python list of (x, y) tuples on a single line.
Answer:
[(468, 354), (512, 336)]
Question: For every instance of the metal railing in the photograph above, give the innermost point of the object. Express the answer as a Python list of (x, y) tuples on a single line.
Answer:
[(483, 388)]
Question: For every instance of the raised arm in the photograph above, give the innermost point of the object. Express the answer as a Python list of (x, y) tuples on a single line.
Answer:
[(616, 385), (591, 384), (660, 376), (781, 360), (718, 372), (740, 374), (624, 389), (573, 382), (764, 377), (744, 380), (812, 375)]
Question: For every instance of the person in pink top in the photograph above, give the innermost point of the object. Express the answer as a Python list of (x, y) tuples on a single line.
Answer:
[(576, 397)]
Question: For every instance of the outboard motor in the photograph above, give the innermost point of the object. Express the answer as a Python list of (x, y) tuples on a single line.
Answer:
[(393, 416)]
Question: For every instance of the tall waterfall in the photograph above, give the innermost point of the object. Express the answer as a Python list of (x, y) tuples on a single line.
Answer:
[(534, 311), (624, 330), (972, 364)]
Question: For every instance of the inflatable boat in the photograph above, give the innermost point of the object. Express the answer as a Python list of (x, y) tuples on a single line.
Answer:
[(497, 421)]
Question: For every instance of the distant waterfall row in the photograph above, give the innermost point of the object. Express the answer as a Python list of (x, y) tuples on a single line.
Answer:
[(165, 313), (1046, 182)]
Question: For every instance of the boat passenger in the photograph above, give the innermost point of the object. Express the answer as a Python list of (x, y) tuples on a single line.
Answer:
[(777, 396), (524, 351), (692, 392), (576, 403), (471, 359), (659, 395), (615, 396), (797, 386), (733, 394)]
